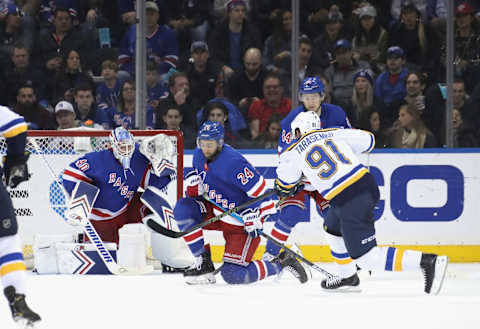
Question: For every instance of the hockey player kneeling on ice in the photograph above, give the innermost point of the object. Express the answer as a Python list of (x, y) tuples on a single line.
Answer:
[(328, 159), (118, 173), (225, 176), (12, 266)]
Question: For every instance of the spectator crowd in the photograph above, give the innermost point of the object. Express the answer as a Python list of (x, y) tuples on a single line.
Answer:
[(71, 63)]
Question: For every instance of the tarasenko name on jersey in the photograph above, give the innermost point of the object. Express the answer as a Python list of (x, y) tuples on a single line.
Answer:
[(307, 140)]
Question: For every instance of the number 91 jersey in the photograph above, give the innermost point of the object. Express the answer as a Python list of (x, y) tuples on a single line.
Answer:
[(328, 159)]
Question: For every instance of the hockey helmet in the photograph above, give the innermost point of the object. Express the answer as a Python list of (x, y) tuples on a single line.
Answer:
[(312, 85), (306, 122), (211, 130), (123, 145)]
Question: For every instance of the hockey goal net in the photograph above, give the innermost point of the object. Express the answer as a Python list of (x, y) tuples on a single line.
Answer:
[(40, 203)]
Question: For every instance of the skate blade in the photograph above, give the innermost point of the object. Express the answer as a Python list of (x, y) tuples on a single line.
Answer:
[(27, 324), (208, 278), (343, 290), (440, 269)]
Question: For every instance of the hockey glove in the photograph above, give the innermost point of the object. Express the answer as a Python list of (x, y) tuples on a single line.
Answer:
[(16, 170), (286, 191), (253, 222), (194, 185)]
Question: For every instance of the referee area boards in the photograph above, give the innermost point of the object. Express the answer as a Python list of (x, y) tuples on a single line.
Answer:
[(428, 201)]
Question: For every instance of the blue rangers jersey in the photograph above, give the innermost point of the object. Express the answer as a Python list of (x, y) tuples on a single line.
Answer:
[(231, 180), (331, 116), (162, 49), (327, 158), (117, 187), (107, 97)]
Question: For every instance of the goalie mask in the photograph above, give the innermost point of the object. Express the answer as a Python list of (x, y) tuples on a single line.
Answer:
[(305, 122), (123, 146)]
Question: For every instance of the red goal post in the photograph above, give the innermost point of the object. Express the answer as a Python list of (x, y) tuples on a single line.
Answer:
[(40, 203)]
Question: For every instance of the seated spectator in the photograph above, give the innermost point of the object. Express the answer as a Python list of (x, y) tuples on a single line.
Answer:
[(108, 91), (179, 96), (464, 132), (362, 96), (341, 71), (269, 139), (327, 92), (172, 120), (15, 29), (274, 102), (65, 116), (246, 86), (371, 121), (324, 44), (86, 109), (467, 46), (124, 114), (155, 89), (161, 42), (217, 111), (237, 122), (370, 40), (411, 132), (36, 116), (416, 39), (204, 74), (20, 74), (390, 85), (47, 8), (232, 37), (68, 76), (278, 45), (52, 46)]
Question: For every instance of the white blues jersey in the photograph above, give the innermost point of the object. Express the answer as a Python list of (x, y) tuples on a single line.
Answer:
[(11, 124), (328, 159)]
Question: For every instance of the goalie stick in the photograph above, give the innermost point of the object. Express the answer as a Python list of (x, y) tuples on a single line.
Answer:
[(88, 227), (174, 234), (268, 237)]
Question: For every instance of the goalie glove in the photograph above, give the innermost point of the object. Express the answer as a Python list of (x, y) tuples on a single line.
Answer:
[(161, 152), (287, 190), (194, 184), (253, 222), (16, 170)]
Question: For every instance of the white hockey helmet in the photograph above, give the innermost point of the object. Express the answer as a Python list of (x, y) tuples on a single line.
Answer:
[(305, 122), (123, 145)]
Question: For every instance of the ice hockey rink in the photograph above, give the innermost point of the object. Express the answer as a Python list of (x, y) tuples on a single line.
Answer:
[(387, 301)]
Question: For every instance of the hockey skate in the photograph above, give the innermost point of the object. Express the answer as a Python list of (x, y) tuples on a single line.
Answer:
[(338, 284), (21, 313), (201, 272), (292, 265), (434, 268)]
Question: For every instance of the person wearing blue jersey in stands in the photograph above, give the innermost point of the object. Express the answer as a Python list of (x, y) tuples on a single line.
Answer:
[(221, 174)]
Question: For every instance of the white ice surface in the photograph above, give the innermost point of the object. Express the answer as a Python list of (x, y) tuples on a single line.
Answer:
[(387, 301)]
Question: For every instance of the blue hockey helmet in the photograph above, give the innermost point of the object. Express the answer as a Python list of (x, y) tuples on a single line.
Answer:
[(312, 85), (123, 145), (211, 130)]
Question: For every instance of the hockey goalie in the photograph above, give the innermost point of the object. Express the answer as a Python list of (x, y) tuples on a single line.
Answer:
[(116, 176)]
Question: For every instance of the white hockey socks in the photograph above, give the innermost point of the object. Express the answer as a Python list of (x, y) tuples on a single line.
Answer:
[(12, 267), (390, 259), (345, 267)]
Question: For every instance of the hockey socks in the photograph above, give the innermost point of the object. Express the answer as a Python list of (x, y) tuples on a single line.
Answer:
[(195, 242), (12, 267), (390, 259), (255, 271), (345, 267)]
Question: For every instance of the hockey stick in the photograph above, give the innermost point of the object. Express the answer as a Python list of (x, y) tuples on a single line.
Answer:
[(88, 227), (174, 234), (268, 237)]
